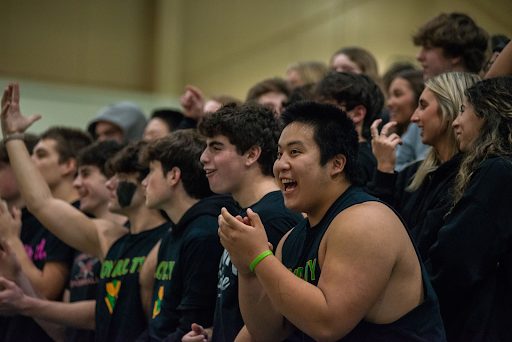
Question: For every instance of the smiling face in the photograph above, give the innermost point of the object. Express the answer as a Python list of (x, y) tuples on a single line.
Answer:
[(401, 103), (341, 63), (225, 168), (300, 176), (467, 125), (429, 118), (91, 186)]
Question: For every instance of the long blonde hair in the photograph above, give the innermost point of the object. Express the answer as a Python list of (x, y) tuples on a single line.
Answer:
[(448, 89)]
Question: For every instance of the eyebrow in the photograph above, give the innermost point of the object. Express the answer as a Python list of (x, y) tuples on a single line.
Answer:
[(215, 143), (296, 142)]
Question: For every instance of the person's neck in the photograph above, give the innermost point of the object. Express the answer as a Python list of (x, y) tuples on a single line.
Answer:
[(142, 219), (258, 185), (329, 195), (178, 206), (444, 149), (359, 129), (15, 202), (65, 191)]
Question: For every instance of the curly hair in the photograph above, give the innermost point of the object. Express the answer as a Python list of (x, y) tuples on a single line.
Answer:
[(334, 133), (181, 149), (448, 89), (491, 100), (352, 90), (458, 36), (245, 126), (127, 161)]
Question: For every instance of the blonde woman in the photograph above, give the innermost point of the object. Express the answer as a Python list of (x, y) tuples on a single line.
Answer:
[(470, 265), (420, 192)]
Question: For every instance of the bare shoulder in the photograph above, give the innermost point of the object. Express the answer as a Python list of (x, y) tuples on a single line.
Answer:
[(108, 233)]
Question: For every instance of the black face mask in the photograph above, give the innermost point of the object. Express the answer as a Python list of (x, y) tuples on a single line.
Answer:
[(125, 192)]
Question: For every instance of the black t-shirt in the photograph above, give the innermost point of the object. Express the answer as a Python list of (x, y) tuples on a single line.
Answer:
[(119, 313), (42, 247), (366, 161), (277, 220), (300, 255), (184, 291)]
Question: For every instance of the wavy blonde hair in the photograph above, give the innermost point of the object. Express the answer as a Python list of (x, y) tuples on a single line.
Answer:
[(448, 89), (492, 101)]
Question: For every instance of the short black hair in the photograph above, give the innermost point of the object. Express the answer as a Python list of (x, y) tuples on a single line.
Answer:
[(172, 118), (30, 141), (352, 90), (246, 126), (98, 154), (181, 149), (334, 133), (127, 161)]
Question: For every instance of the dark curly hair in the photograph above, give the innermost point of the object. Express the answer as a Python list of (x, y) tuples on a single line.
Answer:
[(246, 126), (352, 90), (99, 153), (127, 161), (491, 100), (181, 149), (458, 36), (334, 132)]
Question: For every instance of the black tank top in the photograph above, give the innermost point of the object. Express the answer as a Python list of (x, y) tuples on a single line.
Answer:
[(300, 255)]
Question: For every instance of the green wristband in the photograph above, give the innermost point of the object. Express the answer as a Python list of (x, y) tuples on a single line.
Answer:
[(259, 258)]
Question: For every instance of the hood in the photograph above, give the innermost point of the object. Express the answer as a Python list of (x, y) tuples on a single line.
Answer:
[(127, 115)]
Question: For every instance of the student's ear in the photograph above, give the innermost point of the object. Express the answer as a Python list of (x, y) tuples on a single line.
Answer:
[(338, 164), (455, 61), (173, 176), (252, 155), (359, 113), (69, 167)]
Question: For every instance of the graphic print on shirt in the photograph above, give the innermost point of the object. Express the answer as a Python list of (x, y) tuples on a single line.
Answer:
[(86, 274), (224, 282), (308, 272), (163, 272), (112, 294), (39, 254)]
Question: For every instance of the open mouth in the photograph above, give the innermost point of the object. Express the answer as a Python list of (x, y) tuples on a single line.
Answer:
[(289, 184), (209, 171)]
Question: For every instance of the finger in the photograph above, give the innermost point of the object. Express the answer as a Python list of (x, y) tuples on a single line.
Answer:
[(387, 126), (374, 128), (270, 246), (16, 213), (16, 92), (5, 246), (229, 219), (5, 97), (6, 283), (255, 218)]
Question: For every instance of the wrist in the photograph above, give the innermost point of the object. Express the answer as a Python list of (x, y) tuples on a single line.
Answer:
[(259, 258), (386, 167), (13, 136)]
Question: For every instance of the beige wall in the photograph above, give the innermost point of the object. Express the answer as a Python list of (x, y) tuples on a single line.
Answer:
[(222, 46)]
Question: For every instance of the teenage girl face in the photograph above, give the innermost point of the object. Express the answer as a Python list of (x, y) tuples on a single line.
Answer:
[(429, 119), (467, 125), (401, 102), (341, 63)]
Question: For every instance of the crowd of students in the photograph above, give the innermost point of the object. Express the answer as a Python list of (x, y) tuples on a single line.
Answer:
[(334, 205)]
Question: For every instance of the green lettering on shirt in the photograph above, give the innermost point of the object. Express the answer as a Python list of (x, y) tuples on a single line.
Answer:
[(106, 269), (138, 261)]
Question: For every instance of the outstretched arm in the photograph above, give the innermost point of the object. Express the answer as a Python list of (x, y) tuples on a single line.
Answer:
[(66, 222), (502, 66)]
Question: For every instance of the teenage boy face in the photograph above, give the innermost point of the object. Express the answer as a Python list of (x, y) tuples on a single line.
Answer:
[(297, 169), (46, 158), (156, 187), (91, 186), (135, 199), (223, 165), (433, 61)]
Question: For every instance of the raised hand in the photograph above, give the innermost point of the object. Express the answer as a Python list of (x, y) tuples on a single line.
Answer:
[(12, 119), (10, 225), (384, 146), (192, 102)]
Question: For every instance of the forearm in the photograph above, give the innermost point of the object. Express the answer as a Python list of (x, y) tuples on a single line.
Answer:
[(48, 288), (261, 317), (298, 301), (32, 185), (502, 66), (79, 315)]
